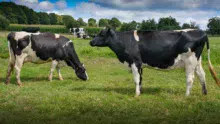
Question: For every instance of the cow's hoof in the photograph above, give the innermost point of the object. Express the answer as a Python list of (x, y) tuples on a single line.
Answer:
[(137, 95), (60, 78), (49, 79), (7, 82), (20, 84)]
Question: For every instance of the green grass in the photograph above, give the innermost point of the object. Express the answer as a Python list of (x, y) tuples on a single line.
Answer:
[(108, 96)]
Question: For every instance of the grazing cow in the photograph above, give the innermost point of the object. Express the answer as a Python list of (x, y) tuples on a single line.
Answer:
[(161, 50), (41, 48)]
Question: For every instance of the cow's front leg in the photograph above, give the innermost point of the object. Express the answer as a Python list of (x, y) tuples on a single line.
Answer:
[(137, 71), (53, 66), (59, 74)]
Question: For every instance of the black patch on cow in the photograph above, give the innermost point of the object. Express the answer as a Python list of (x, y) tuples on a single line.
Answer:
[(47, 46), (13, 43)]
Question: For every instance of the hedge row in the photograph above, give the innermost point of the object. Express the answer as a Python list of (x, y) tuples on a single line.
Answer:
[(42, 29)]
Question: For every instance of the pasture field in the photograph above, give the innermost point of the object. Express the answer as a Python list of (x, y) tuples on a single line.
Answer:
[(108, 96)]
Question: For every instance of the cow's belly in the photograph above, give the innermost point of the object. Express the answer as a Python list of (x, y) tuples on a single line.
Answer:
[(32, 56), (179, 62)]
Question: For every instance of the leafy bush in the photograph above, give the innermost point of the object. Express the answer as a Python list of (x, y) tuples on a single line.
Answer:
[(4, 23), (92, 30)]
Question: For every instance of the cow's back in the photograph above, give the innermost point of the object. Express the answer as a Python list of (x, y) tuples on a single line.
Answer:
[(47, 45)]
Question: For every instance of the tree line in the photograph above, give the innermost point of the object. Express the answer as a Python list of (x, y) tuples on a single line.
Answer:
[(19, 14)]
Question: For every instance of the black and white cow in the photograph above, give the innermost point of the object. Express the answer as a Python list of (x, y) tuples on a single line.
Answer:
[(161, 50), (41, 48)]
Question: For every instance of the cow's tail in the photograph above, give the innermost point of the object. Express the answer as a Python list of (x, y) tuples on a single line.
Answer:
[(9, 50), (11, 54), (211, 68)]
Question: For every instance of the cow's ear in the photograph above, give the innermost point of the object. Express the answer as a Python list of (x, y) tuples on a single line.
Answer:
[(110, 32)]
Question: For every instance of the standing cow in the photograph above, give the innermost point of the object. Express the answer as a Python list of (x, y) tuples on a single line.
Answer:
[(41, 48), (161, 50)]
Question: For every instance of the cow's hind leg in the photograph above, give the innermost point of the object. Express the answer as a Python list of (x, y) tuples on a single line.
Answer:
[(201, 74), (18, 65), (9, 71), (10, 65), (190, 65), (137, 71), (53, 66)]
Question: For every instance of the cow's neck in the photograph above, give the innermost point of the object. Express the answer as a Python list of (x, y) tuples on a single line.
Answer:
[(119, 48)]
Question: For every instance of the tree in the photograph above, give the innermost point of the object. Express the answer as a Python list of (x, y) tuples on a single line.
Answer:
[(168, 23), (114, 22), (129, 26), (4, 23), (214, 25), (18, 13), (59, 19), (185, 26), (32, 17), (149, 24), (53, 18), (67, 18), (103, 22), (92, 22), (192, 25), (44, 18), (70, 22), (81, 22)]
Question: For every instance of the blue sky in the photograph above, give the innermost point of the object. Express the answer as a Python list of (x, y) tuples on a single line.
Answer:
[(129, 10)]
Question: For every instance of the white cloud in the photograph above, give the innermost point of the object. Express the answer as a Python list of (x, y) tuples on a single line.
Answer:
[(29, 3), (61, 4), (160, 4), (45, 6), (93, 10)]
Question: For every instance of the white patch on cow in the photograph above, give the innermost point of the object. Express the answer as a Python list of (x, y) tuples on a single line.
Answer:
[(136, 37), (201, 74), (87, 76), (136, 77), (67, 43), (184, 30), (22, 34), (190, 61), (57, 36), (86, 73)]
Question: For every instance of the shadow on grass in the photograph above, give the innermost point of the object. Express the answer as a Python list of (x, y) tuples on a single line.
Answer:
[(125, 91), (36, 79)]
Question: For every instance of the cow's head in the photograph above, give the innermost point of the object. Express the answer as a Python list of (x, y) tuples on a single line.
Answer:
[(103, 38), (81, 72)]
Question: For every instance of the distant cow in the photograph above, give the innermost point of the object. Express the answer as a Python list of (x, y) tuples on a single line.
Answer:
[(159, 49), (41, 48)]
